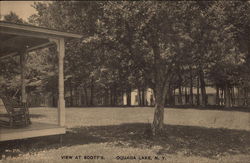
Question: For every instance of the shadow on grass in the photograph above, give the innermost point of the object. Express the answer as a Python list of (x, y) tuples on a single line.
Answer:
[(209, 107), (37, 115), (212, 107), (189, 140), (31, 115)]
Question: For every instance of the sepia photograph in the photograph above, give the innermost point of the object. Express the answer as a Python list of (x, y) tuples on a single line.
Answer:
[(125, 81)]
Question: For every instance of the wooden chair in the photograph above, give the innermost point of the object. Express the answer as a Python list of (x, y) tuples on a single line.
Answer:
[(18, 113)]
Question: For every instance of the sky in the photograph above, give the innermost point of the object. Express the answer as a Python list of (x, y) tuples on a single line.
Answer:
[(22, 8)]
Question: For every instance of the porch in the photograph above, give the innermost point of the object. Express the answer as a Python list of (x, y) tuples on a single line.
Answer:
[(36, 129), (17, 40)]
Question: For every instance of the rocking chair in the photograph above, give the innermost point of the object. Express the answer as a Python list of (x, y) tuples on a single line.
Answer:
[(17, 113)]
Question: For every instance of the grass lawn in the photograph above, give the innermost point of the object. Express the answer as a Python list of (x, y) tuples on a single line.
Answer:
[(190, 135)]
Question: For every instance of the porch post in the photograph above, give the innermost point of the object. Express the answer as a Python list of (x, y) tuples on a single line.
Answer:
[(23, 84), (61, 102)]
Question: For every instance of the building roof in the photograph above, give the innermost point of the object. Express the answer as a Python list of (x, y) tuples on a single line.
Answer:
[(209, 90)]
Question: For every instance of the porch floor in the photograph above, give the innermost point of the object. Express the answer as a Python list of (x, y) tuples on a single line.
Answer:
[(36, 129)]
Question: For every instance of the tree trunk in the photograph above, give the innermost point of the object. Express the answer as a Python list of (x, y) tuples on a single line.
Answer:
[(217, 98), (23, 83), (167, 97), (83, 97), (245, 97), (159, 109), (203, 88), (86, 96), (160, 89), (121, 99), (198, 91), (111, 96), (128, 93), (174, 96), (222, 97), (170, 95), (143, 96), (238, 96), (232, 96), (91, 92), (191, 98), (139, 96), (180, 95), (114, 96), (227, 96), (106, 97), (186, 96), (80, 97)]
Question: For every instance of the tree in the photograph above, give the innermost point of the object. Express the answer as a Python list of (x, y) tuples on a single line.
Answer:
[(14, 18), (155, 31), (81, 62), (10, 68), (225, 70)]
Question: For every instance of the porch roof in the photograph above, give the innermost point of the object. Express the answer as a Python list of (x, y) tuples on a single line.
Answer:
[(18, 37)]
